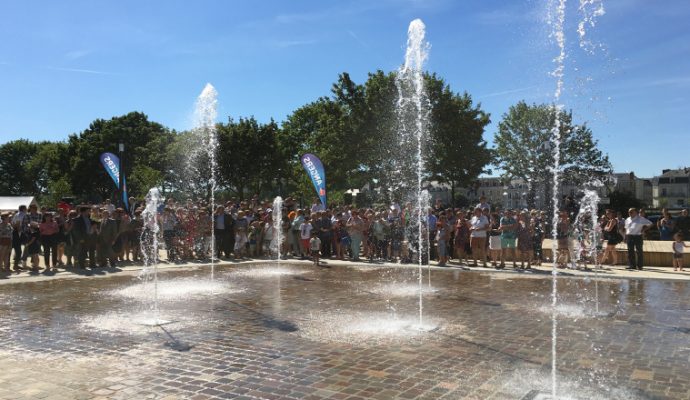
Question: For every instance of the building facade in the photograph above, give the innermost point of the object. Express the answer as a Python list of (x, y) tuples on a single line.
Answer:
[(672, 188)]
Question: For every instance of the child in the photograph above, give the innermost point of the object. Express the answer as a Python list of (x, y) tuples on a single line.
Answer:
[(252, 238), (305, 230), (395, 238), (678, 247), (314, 247)]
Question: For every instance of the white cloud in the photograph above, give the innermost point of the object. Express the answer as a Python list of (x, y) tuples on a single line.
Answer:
[(293, 43), (79, 70), (76, 54), (509, 91)]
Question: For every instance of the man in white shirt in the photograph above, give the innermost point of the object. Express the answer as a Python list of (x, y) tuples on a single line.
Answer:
[(479, 224), (109, 207), (316, 206), (635, 226), (483, 204)]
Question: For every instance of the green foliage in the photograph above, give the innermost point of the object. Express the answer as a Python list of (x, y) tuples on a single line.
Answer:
[(55, 191), (143, 176), (15, 156), (356, 134), (458, 152), (249, 158), (145, 144), (623, 200), (524, 147), (356, 131)]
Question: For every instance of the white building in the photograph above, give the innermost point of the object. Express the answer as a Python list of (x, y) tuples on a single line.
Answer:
[(640, 188), (672, 188), (513, 193)]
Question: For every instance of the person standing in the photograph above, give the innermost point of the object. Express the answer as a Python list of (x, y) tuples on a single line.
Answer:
[(635, 227), (5, 242), (83, 230), (356, 226), (107, 236), (612, 237), (678, 248), (483, 204), (168, 222), (665, 225), (494, 238), (324, 229), (524, 236), (442, 237), (297, 221), (49, 230), (479, 224), (221, 231), (683, 223), (461, 238), (314, 247), (508, 226), (241, 230), (20, 236), (305, 230), (431, 222)]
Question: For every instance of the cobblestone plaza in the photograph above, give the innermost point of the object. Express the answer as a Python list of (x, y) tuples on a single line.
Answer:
[(293, 331)]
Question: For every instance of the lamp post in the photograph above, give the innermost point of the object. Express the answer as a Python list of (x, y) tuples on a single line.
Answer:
[(121, 189)]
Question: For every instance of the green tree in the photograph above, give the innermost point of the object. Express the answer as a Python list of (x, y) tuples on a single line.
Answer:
[(145, 144), (48, 166), (457, 151), (15, 156), (56, 190), (356, 133), (624, 200), (524, 149), (249, 158)]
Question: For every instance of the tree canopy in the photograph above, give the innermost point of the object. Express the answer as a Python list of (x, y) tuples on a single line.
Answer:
[(525, 148), (358, 131)]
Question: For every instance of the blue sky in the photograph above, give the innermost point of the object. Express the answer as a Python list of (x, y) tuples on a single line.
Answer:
[(64, 64)]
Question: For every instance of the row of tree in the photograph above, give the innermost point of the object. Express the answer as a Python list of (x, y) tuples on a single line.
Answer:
[(355, 132)]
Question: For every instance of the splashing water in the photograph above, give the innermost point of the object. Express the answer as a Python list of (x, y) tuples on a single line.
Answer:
[(149, 244), (277, 239), (411, 98), (586, 228), (205, 114), (556, 21), (591, 10)]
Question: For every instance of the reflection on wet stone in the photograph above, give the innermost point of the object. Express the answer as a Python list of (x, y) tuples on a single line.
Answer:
[(342, 333)]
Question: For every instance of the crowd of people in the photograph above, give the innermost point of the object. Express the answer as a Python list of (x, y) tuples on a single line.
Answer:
[(103, 235)]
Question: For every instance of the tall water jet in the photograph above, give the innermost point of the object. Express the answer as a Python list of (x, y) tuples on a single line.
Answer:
[(149, 246), (556, 20), (412, 116), (277, 215), (425, 200), (205, 130)]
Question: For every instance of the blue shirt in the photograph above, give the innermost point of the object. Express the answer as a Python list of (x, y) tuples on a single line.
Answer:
[(220, 221), (432, 222)]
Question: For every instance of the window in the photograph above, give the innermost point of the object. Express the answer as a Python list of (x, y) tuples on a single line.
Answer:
[(663, 192)]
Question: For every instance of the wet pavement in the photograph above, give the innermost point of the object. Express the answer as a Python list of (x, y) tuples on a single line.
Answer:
[(294, 331)]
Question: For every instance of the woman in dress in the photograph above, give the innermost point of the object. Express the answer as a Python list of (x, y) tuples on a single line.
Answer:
[(462, 237), (612, 237), (524, 235), (495, 240)]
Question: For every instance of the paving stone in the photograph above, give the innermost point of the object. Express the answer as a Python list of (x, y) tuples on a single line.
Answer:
[(59, 338)]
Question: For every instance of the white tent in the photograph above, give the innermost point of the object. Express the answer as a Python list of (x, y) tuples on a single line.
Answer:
[(12, 203)]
